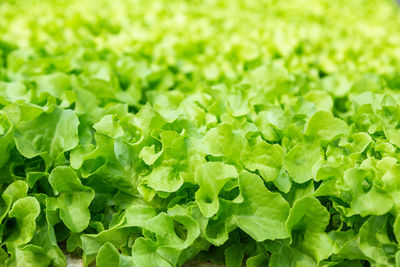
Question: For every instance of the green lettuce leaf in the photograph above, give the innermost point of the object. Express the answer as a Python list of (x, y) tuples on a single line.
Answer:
[(262, 213), (51, 133), (211, 177), (25, 211), (72, 198)]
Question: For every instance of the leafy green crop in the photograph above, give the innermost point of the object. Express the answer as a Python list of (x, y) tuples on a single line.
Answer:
[(157, 133)]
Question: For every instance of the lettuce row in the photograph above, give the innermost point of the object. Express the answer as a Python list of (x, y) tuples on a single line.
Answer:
[(174, 144)]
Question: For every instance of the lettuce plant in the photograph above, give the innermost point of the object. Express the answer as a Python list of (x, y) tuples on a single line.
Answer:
[(162, 133)]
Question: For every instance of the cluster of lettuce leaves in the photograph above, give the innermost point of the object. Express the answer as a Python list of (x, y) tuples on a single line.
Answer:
[(156, 133)]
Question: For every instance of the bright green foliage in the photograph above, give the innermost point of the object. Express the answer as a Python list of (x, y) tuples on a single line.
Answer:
[(72, 198), (207, 195), (109, 256), (238, 132), (262, 214), (50, 133)]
